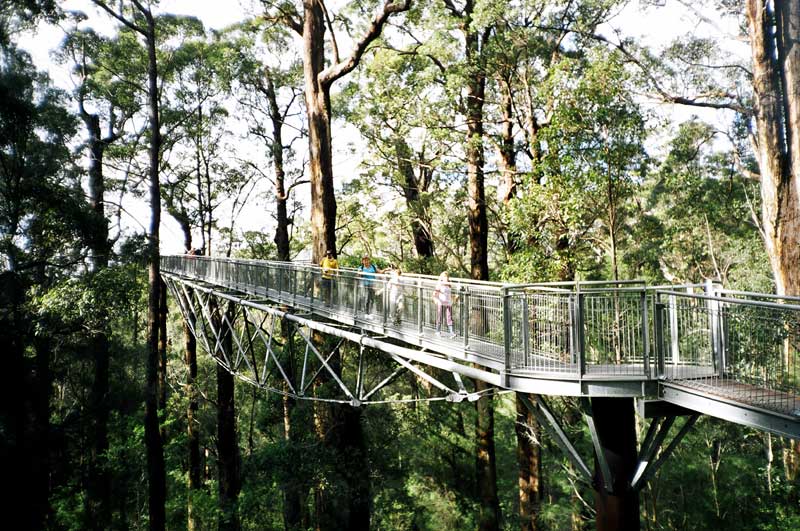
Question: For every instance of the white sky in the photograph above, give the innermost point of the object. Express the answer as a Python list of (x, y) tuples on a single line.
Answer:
[(654, 26)]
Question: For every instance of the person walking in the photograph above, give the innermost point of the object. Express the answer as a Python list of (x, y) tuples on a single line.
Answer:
[(329, 265), (367, 270), (443, 298), (395, 290)]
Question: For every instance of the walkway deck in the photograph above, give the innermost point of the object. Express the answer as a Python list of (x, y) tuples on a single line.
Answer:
[(682, 343)]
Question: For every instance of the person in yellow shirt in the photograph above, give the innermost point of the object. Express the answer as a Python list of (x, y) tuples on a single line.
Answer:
[(329, 266)]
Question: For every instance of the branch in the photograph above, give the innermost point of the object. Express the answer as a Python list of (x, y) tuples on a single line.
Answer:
[(665, 96), (102, 5), (452, 8), (286, 15), (335, 71), (330, 30)]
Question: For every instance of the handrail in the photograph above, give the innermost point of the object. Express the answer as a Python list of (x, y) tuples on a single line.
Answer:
[(571, 331)]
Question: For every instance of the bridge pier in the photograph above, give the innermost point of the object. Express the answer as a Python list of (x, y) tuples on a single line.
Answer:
[(614, 433)]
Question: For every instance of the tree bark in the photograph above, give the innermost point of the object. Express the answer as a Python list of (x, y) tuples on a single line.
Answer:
[(227, 451), (98, 501), (162, 352), (412, 187), (318, 105), (195, 480), (529, 457), (294, 482), (281, 199), (485, 463), (157, 489), (486, 472), (776, 85), (478, 223)]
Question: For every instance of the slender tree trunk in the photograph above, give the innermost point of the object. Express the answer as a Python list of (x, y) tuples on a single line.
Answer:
[(486, 473), (529, 457), (281, 198), (478, 223), (98, 502), (227, 440), (507, 160), (157, 485), (38, 467), (162, 352), (294, 483), (195, 480), (412, 187), (486, 467)]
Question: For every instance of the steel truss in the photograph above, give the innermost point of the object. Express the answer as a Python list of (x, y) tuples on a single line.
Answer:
[(249, 339), (651, 455)]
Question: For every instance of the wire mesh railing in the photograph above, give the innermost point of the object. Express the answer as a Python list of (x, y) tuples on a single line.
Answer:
[(744, 349)]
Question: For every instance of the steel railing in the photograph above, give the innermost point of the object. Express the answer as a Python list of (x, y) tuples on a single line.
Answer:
[(740, 346), (743, 346)]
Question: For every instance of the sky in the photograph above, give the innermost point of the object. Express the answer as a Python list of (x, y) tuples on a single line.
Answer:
[(655, 26)]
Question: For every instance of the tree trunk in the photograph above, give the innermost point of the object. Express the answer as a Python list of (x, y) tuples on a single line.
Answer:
[(157, 485), (412, 187), (162, 352), (281, 199), (228, 457), (486, 473), (98, 501), (486, 467), (294, 483), (507, 161), (776, 85), (615, 421), (318, 105), (478, 224), (38, 467), (529, 457), (195, 480)]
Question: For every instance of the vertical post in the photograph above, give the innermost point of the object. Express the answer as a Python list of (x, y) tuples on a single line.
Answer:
[(580, 337), (465, 301), (645, 333), (526, 329), (267, 268), (674, 345), (506, 333), (713, 323), (385, 299), (294, 286), (280, 284), (311, 287), (420, 324), (658, 331)]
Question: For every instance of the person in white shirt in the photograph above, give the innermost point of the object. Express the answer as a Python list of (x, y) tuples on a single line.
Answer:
[(443, 298), (395, 294)]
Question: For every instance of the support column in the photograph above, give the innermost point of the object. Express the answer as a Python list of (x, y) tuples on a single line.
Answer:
[(616, 430)]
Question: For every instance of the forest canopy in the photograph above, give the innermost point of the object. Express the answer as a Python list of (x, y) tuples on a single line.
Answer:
[(525, 141)]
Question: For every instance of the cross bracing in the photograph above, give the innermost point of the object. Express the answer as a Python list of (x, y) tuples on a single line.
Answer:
[(722, 353)]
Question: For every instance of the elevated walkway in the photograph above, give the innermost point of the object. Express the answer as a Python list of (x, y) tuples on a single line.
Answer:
[(727, 354)]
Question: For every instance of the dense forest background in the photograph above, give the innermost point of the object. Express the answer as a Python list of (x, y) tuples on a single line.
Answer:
[(516, 141)]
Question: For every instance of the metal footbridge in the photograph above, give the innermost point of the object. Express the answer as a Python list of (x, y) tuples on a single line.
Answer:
[(697, 349)]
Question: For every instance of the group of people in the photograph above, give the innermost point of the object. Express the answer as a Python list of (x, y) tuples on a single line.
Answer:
[(442, 293)]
